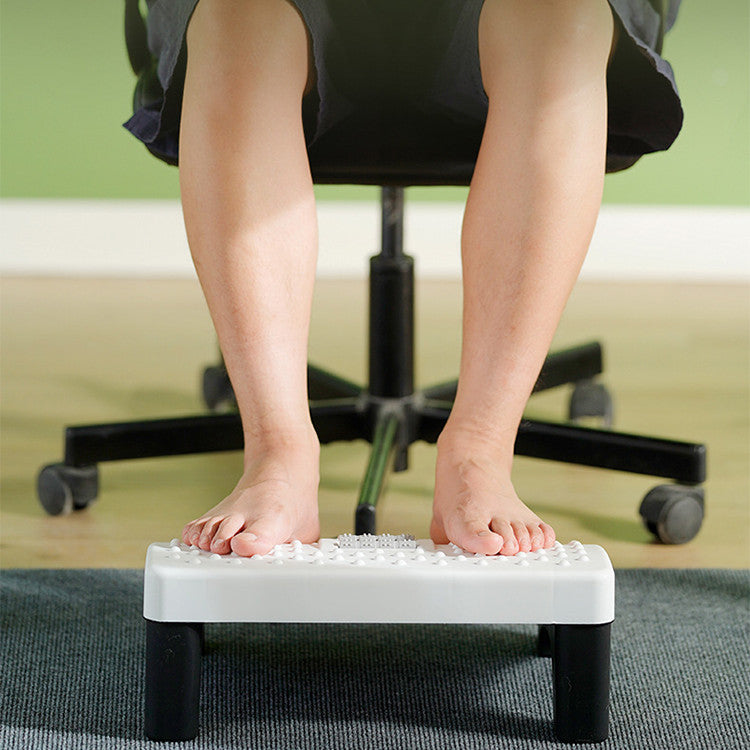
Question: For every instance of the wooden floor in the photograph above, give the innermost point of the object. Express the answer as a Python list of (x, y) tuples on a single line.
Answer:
[(77, 351)]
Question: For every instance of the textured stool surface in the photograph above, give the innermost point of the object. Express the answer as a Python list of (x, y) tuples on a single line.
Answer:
[(379, 579)]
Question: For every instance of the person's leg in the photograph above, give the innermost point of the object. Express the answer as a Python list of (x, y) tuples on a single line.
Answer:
[(529, 218), (249, 210)]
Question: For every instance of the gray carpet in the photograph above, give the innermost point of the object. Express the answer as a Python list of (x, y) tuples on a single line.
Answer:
[(72, 673)]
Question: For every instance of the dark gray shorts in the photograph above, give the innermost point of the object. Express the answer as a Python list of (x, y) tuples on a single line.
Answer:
[(420, 58)]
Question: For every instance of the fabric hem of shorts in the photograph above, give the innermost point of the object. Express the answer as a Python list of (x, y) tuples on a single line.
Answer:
[(476, 68), (303, 10), (329, 101), (662, 67), (146, 122), (665, 77)]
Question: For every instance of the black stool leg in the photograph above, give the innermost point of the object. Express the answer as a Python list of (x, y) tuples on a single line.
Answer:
[(173, 675), (580, 668), (544, 640)]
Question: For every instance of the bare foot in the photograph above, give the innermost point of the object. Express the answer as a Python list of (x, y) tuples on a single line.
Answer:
[(275, 501), (475, 504)]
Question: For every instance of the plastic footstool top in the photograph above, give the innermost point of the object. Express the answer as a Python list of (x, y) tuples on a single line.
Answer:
[(338, 580)]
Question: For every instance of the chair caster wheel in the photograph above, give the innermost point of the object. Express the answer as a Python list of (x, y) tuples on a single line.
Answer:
[(673, 512), (590, 399), (218, 393), (62, 489)]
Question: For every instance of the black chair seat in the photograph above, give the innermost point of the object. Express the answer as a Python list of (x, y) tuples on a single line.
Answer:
[(369, 150)]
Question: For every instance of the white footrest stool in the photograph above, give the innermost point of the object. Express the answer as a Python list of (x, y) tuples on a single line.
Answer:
[(568, 591)]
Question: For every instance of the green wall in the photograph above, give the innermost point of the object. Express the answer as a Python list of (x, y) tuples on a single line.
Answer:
[(66, 89)]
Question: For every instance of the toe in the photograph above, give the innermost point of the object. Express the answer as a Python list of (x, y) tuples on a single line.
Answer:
[(474, 536), (247, 544), (510, 543), (185, 537), (259, 537), (207, 533), (522, 535), (549, 535), (228, 528), (187, 532), (536, 536), (194, 531), (187, 528)]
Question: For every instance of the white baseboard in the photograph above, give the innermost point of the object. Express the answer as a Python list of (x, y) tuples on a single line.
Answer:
[(132, 238)]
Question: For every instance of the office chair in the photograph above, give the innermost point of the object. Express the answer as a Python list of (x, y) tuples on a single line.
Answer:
[(388, 412)]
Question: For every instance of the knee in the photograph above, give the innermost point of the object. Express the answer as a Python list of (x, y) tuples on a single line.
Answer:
[(549, 35), (253, 39), (573, 21), (584, 27)]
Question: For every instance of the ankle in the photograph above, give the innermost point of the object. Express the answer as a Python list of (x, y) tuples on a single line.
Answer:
[(458, 441), (281, 441)]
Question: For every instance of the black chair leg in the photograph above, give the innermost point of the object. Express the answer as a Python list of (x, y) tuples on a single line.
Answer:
[(570, 366), (322, 384), (382, 455), (683, 462)]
